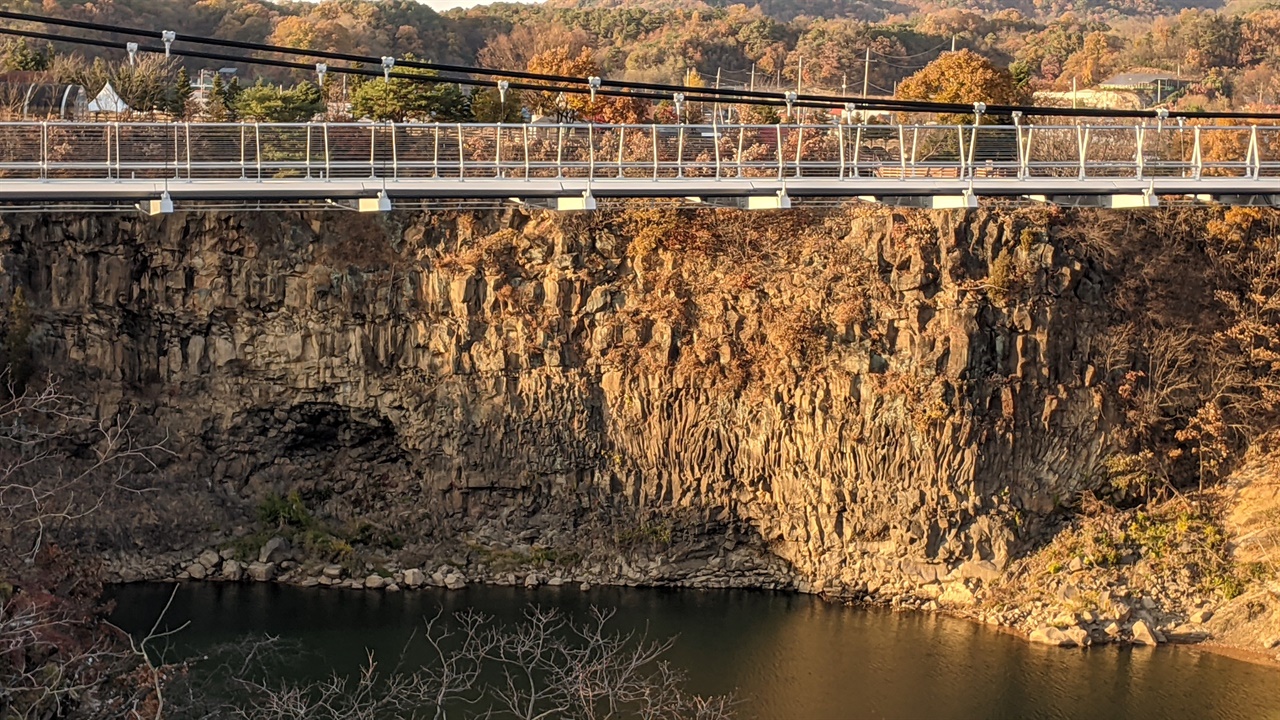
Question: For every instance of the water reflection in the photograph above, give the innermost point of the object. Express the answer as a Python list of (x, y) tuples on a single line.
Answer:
[(790, 657)]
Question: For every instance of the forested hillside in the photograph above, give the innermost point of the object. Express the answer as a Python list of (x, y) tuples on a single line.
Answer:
[(1228, 56)]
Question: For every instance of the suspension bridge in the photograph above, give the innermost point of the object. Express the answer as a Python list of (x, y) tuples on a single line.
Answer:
[(373, 166)]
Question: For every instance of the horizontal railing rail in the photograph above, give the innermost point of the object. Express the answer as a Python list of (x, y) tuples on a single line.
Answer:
[(392, 151)]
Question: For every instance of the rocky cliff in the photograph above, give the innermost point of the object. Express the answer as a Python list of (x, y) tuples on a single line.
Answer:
[(879, 399)]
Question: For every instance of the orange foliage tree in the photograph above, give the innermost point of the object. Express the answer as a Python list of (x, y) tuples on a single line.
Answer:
[(566, 107), (962, 77)]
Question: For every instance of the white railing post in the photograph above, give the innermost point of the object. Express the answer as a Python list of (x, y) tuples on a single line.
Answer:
[(462, 156), (559, 149), (653, 132), (741, 133), (1139, 158), (44, 150), (622, 135), (1082, 146), (373, 148), (257, 149), (1255, 154), (107, 139), (244, 173), (591, 151), (497, 151), (395, 153), (187, 133), (915, 146), (857, 148), (902, 152), (308, 160), (119, 168), (840, 136), (799, 147), (328, 163), (973, 146), (435, 151), (963, 171), (1197, 159), (778, 152), (680, 150), (177, 169), (715, 139), (1024, 151), (526, 151)]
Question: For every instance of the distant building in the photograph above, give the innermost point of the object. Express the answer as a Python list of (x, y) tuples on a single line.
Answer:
[(1092, 98), (1155, 85), (202, 84), (108, 101)]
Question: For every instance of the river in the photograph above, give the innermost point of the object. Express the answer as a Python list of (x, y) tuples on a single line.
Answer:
[(786, 656)]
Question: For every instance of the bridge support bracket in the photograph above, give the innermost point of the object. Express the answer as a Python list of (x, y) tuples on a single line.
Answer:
[(162, 206), (381, 203), (780, 201)]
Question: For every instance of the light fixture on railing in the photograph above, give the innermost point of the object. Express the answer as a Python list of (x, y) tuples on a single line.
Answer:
[(168, 36)]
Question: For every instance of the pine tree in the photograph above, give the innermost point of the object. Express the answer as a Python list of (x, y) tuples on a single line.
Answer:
[(181, 98), (219, 107)]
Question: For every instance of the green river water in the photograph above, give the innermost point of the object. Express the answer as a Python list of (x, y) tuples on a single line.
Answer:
[(786, 656)]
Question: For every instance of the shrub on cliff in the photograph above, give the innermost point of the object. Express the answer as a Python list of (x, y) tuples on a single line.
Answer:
[(58, 656)]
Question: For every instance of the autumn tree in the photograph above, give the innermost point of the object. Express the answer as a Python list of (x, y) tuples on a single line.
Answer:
[(310, 34), (566, 107), (558, 61), (1095, 60), (962, 77), (514, 50)]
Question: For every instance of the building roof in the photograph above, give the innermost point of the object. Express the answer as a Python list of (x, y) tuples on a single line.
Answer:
[(108, 101), (1138, 79)]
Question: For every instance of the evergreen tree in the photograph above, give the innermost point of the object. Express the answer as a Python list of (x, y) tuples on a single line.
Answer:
[(219, 107), (19, 55), (269, 103), (488, 107), (181, 97), (411, 99)]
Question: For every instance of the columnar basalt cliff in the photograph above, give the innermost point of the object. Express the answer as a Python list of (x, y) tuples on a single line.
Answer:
[(865, 402)]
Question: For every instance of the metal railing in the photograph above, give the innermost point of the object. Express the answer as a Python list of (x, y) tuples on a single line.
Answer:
[(321, 151)]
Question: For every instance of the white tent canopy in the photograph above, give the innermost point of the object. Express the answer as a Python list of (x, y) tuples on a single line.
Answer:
[(108, 101)]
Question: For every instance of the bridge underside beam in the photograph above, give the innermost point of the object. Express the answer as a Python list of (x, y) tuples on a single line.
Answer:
[(1113, 201), (1248, 200), (929, 193)]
